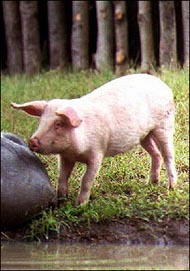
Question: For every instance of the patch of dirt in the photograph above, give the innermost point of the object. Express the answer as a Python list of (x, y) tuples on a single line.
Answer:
[(133, 231)]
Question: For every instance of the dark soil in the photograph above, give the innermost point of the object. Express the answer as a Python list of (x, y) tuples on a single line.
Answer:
[(167, 232)]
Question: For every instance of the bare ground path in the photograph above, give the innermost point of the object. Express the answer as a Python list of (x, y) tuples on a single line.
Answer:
[(166, 232)]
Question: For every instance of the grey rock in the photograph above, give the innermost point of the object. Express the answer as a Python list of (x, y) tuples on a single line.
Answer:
[(25, 186)]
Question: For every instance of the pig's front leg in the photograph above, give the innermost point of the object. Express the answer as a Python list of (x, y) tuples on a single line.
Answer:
[(65, 169), (87, 180)]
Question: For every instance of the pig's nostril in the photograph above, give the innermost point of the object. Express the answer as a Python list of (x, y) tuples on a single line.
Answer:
[(34, 143)]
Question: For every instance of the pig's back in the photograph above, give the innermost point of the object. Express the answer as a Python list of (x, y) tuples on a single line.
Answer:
[(130, 106), (131, 86), (136, 93)]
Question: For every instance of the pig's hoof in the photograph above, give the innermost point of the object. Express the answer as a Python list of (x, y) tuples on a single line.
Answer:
[(82, 204), (61, 201), (154, 181), (62, 193), (81, 201), (62, 197), (171, 187), (172, 184)]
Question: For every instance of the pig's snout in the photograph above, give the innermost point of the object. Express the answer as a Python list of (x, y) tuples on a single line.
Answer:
[(34, 144)]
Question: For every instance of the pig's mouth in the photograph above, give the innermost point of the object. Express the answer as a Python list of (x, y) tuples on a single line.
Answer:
[(35, 149), (41, 150), (35, 145)]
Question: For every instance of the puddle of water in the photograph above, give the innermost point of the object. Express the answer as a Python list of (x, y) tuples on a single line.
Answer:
[(59, 256)]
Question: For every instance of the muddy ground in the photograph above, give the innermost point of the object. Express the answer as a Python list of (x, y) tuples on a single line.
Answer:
[(175, 232)]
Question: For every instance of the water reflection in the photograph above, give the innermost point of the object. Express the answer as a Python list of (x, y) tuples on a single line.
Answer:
[(57, 256)]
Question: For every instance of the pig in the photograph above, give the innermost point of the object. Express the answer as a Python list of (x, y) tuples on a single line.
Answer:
[(112, 119)]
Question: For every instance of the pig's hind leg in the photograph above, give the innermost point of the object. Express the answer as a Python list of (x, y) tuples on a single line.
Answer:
[(150, 146), (164, 139)]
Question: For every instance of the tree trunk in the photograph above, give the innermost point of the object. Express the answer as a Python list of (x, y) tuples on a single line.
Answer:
[(13, 36), (58, 35), (105, 39), (80, 35), (185, 22), (30, 33), (146, 35), (121, 36), (168, 46)]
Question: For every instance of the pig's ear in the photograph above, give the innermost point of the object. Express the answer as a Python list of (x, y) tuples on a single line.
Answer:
[(70, 115), (34, 108)]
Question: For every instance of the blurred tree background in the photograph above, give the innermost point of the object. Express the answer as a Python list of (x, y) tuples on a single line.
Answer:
[(79, 35)]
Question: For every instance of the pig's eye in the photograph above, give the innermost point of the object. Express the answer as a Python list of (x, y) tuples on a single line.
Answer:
[(58, 125)]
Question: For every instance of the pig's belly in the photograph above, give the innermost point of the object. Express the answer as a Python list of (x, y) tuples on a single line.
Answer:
[(128, 131), (121, 145)]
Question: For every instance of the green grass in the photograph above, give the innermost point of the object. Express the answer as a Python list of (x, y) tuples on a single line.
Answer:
[(121, 190)]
